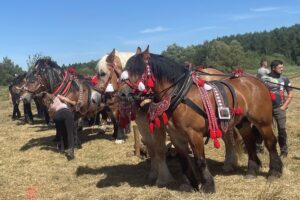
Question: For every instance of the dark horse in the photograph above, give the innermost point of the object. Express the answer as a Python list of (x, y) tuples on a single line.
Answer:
[(187, 127), (16, 93), (47, 76)]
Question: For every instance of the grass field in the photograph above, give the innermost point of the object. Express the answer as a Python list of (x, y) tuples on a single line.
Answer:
[(31, 167)]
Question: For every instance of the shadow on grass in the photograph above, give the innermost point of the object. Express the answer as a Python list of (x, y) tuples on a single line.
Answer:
[(136, 175), (47, 143)]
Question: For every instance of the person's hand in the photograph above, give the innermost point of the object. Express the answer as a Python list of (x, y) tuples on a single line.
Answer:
[(283, 108)]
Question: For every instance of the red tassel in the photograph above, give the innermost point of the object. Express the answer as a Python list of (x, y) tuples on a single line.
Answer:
[(157, 122), (165, 118), (151, 127), (201, 82), (94, 80), (150, 83), (123, 122), (238, 111), (218, 133), (272, 95), (71, 70), (132, 116), (212, 134), (217, 143)]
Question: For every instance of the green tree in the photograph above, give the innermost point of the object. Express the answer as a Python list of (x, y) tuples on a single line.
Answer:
[(8, 70)]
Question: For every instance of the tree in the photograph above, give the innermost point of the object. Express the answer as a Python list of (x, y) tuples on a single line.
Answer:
[(8, 70)]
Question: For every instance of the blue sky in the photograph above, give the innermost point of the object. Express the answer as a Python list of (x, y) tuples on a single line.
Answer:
[(81, 30)]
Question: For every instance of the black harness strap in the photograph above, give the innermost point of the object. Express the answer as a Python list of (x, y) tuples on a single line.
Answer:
[(195, 107)]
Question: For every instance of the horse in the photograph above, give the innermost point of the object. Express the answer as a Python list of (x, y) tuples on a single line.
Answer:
[(17, 94), (47, 76), (109, 67), (175, 92)]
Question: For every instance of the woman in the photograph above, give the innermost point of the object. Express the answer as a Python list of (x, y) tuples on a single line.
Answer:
[(64, 120)]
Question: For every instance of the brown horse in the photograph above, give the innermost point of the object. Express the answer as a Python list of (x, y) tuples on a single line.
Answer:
[(188, 128), (110, 68)]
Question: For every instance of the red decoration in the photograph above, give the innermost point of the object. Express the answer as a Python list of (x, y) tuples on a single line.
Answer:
[(216, 143), (272, 95), (238, 111), (218, 133), (212, 134), (201, 82), (71, 70), (157, 122), (165, 118), (132, 116), (94, 80), (150, 83), (123, 122), (151, 127)]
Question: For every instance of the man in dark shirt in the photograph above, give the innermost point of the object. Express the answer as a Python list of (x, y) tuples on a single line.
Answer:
[(278, 85)]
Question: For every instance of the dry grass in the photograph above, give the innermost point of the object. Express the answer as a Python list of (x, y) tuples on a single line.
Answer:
[(30, 165)]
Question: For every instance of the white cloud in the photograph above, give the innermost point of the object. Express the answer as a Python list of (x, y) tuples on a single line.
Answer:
[(242, 17), (154, 30), (265, 9)]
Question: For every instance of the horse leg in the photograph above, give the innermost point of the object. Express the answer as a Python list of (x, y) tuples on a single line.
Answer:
[(275, 165), (77, 128), (231, 161), (197, 145), (250, 143), (156, 148)]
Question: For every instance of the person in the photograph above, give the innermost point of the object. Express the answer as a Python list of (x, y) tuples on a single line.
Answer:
[(278, 84), (64, 121), (263, 69)]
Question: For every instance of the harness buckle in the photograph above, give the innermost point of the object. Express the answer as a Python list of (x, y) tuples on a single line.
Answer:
[(224, 113)]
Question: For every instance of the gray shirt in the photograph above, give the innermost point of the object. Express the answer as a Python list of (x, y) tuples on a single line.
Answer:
[(262, 71)]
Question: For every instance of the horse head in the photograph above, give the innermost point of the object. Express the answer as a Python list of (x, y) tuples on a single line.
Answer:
[(46, 75), (149, 74), (109, 68)]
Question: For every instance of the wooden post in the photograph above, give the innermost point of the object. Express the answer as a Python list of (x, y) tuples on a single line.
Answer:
[(137, 141)]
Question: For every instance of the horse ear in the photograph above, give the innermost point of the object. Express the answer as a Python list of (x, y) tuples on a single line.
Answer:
[(111, 56), (146, 54), (138, 50)]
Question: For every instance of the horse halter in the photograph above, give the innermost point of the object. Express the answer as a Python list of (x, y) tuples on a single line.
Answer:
[(139, 86)]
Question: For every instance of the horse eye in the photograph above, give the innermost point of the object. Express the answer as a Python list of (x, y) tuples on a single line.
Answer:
[(102, 73)]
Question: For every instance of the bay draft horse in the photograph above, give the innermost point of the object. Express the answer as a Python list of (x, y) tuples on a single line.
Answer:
[(109, 68), (47, 76), (187, 128)]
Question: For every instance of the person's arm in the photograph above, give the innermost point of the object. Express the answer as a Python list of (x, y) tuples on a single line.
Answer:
[(287, 101), (66, 100)]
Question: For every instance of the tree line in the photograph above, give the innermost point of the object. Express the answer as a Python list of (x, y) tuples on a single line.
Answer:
[(242, 50), (224, 53)]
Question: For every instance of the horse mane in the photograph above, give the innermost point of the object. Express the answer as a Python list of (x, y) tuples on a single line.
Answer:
[(162, 67), (123, 56)]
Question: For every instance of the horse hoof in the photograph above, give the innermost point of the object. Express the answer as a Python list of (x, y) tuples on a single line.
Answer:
[(228, 169), (119, 141), (250, 176), (186, 188), (208, 188)]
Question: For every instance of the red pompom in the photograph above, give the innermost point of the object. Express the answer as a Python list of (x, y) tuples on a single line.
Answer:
[(218, 133), (151, 127), (217, 143), (201, 82), (238, 111), (212, 134), (94, 80), (272, 95), (165, 118), (157, 122), (71, 70), (150, 83)]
